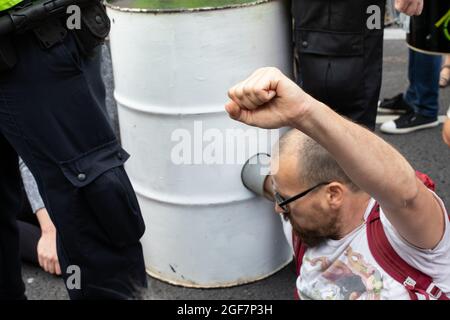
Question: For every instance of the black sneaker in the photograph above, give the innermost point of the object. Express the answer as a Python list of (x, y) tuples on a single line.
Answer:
[(395, 105), (408, 123)]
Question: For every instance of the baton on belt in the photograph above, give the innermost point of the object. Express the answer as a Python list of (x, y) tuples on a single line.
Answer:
[(32, 14)]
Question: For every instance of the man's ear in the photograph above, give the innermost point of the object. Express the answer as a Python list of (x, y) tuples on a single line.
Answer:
[(335, 195)]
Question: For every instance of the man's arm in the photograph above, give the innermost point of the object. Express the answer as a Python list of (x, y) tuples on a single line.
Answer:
[(46, 248), (381, 171), (268, 99), (31, 187)]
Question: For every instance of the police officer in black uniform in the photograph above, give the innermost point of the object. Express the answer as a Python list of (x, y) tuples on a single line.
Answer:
[(338, 58), (52, 114)]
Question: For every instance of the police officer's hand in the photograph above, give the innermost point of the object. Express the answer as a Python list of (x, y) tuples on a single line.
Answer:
[(46, 248), (267, 99), (409, 7)]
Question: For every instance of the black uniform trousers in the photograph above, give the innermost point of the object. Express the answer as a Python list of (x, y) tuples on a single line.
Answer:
[(338, 58), (52, 114)]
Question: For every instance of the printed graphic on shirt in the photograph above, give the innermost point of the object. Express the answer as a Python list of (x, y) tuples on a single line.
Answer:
[(348, 278)]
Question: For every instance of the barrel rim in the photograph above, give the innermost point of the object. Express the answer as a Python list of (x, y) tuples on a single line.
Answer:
[(186, 10)]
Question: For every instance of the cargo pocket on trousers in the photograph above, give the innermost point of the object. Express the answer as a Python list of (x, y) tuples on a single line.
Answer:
[(331, 64), (104, 185)]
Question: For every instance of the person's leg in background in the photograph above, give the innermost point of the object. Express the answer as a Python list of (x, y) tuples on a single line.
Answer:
[(444, 80), (398, 105), (339, 59), (29, 232), (411, 96), (422, 95), (373, 74), (11, 284), (425, 81), (29, 238)]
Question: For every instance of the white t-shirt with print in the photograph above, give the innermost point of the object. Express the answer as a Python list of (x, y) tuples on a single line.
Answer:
[(345, 269)]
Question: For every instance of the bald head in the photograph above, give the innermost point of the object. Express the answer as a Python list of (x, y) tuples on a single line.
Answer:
[(314, 164)]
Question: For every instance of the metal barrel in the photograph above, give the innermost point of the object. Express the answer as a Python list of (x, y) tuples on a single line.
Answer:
[(172, 70)]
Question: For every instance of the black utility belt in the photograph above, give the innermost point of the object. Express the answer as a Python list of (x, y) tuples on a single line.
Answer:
[(90, 27)]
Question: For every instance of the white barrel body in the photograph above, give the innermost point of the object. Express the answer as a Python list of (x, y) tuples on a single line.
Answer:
[(172, 72)]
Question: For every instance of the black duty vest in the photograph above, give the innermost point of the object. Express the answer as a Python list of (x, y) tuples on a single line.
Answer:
[(338, 58)]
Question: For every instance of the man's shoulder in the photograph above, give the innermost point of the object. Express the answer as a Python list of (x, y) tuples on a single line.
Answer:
[(424, 260)]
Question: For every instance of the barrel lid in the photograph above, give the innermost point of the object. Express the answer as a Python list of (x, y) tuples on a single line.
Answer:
[(168, 6)]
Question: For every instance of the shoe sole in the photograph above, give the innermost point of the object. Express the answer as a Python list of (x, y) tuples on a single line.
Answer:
[(412, 129), (390, 111)]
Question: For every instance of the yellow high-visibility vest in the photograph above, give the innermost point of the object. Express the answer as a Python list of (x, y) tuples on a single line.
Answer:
[(6, 4)]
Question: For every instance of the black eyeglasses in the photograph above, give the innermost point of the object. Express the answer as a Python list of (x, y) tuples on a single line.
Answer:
[(282, 203)]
